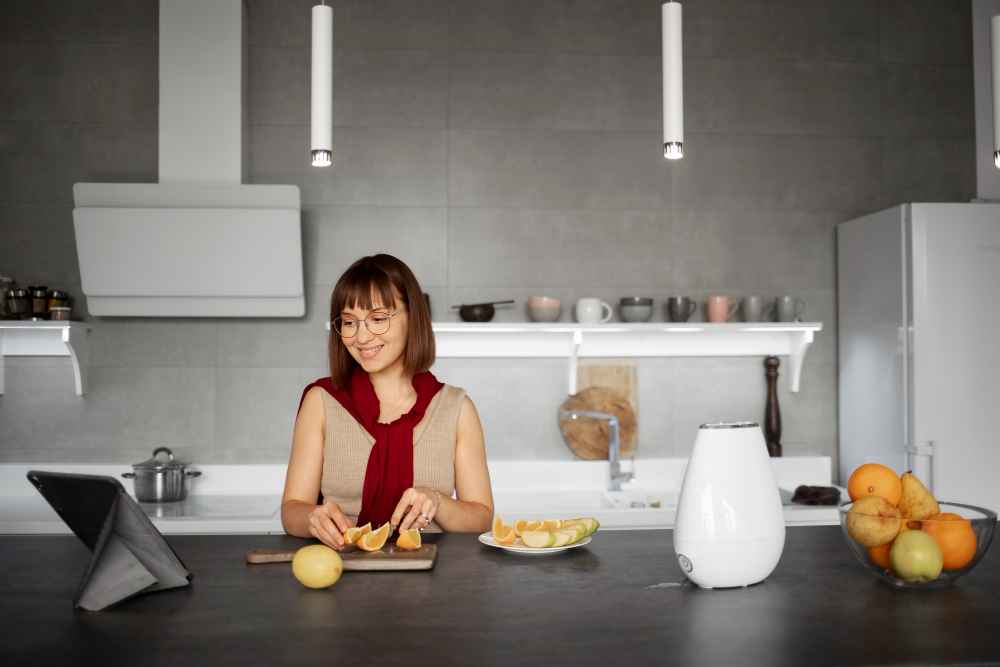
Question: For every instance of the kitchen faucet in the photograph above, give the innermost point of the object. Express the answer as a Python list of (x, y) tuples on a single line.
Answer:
[(614, 445)]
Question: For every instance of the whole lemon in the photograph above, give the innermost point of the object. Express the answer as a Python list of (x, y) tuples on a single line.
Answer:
[(317, 566)]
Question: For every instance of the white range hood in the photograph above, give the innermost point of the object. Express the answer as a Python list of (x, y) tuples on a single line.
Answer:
[(199, 243)]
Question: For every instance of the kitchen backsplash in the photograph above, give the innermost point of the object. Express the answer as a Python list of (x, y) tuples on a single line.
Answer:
[(502, 149)]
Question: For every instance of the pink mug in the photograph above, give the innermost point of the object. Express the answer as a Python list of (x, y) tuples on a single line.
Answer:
[(721, 307)]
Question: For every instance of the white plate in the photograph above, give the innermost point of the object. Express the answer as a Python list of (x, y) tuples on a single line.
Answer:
[(487, 539)]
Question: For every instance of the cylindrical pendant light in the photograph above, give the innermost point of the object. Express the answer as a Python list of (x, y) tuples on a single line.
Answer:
[(322, 86), (995, 44), (673, 82)]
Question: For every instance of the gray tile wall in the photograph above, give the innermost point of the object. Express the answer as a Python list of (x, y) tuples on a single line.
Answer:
[(503, 149)]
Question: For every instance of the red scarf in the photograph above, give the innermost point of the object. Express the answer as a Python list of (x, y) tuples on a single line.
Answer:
[(390, 464)]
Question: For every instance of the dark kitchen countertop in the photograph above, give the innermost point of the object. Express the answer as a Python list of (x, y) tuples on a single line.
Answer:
[(479, 606)]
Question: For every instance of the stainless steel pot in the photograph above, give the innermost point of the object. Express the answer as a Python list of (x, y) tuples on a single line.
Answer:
[(159, 481)]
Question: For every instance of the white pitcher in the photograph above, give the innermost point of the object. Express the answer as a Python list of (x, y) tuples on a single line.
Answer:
[(730, 528)]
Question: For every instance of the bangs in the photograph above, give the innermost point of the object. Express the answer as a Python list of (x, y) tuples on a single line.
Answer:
[(363, 287)]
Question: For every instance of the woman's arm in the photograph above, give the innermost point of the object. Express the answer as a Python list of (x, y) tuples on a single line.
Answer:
[(300, 515), (473, 511)]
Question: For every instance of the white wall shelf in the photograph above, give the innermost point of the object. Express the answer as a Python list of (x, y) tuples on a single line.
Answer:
[(614, 339), (24, 338)]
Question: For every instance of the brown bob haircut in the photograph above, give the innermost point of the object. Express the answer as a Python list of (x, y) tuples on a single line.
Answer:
[(382, 276)]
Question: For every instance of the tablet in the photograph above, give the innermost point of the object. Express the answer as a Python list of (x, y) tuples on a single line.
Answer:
[(130, 555)]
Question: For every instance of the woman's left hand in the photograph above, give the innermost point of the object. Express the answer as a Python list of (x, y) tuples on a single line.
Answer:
[(416, 509)]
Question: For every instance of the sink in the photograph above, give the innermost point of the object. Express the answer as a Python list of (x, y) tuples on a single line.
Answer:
[(625, 500), (555, 504)]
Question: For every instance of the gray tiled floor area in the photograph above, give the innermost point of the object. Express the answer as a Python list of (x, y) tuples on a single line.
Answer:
[(503, 148)]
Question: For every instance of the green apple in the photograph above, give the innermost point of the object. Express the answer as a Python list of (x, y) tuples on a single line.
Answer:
[(563, 537), (916, 556), (539, 539)]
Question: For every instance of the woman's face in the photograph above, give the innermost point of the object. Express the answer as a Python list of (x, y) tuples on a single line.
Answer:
[(376, 351)]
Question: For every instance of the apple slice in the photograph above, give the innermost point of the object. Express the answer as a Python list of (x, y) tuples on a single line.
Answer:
[(562, 537), (538, 539), (566, 536)]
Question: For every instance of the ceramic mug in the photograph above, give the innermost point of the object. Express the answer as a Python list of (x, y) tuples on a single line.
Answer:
[(790, 309), (593, 311), (680, 308), (757, 309), (721, 307)]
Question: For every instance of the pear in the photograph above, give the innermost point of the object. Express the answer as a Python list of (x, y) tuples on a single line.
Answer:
[(916, 503), (873, 521)]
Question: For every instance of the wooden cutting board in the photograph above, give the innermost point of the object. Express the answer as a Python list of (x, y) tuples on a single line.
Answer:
[(387, 559), (602, 387)]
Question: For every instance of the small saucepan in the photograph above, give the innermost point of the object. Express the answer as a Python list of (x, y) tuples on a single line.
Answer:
[(160, 481), (479, 312)]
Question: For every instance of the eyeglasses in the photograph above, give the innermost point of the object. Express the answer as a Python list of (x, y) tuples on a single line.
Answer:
[(377, 324)]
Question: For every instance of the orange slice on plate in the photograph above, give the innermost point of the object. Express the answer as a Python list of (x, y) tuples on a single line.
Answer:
[(409, 539), (506, 537), (551, 524), (522, 525), (499, 527), (375, 540)]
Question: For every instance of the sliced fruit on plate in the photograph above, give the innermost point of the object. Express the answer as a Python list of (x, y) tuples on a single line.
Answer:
[(354, 534), (375, 540), (563, 537), (522, 525), (505, 538), (589, 523), (499, 527), (551, 524), (538, 539), (576, 533), (409, 539)]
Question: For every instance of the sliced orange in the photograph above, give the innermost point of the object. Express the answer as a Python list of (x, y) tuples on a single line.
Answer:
[(551, 524), (375, 540), (499, 526), (507, 537), (354, 534), (409, 539)]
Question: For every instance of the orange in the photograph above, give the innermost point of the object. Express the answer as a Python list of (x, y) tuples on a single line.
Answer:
[(409, 539), (875, 479), (375, 540), (506, 537), (354, 534), (955, 536), (499, 527), (880, 555), (522, 525)]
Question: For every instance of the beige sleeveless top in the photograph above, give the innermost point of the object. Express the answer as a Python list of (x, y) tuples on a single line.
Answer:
[(347, 445)]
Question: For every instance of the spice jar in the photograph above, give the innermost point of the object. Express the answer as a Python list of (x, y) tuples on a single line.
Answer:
[(6, 283), (57, 299), (39, 301), (18, 302), (60, 313)]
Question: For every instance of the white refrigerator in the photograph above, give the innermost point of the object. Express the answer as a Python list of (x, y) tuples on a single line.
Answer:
[(918, 291)]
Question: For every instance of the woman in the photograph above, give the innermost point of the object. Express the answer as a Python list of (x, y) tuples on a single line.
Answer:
[(381, 439)]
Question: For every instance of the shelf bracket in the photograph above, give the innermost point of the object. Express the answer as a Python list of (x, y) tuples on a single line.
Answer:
[(796, 355), (574, 351)]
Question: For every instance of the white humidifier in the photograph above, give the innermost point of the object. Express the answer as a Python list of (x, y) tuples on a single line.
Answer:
[(730, 530)]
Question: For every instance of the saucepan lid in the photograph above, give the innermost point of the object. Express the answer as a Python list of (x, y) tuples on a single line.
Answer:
[(159, 463)]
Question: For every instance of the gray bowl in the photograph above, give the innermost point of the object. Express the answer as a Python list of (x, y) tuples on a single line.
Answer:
[(635, 309)]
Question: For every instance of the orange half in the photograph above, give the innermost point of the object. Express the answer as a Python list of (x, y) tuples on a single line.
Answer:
[(375, 540)]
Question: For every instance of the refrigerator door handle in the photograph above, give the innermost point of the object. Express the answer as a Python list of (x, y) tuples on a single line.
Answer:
[(920, 460)]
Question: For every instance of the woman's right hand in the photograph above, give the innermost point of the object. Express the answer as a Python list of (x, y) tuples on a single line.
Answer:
[(328, 524)]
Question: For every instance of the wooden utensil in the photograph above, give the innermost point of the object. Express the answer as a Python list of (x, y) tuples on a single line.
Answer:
[(387, 559)]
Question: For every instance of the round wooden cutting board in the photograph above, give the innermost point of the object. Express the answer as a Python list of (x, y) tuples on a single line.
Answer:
[(587, 437)]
